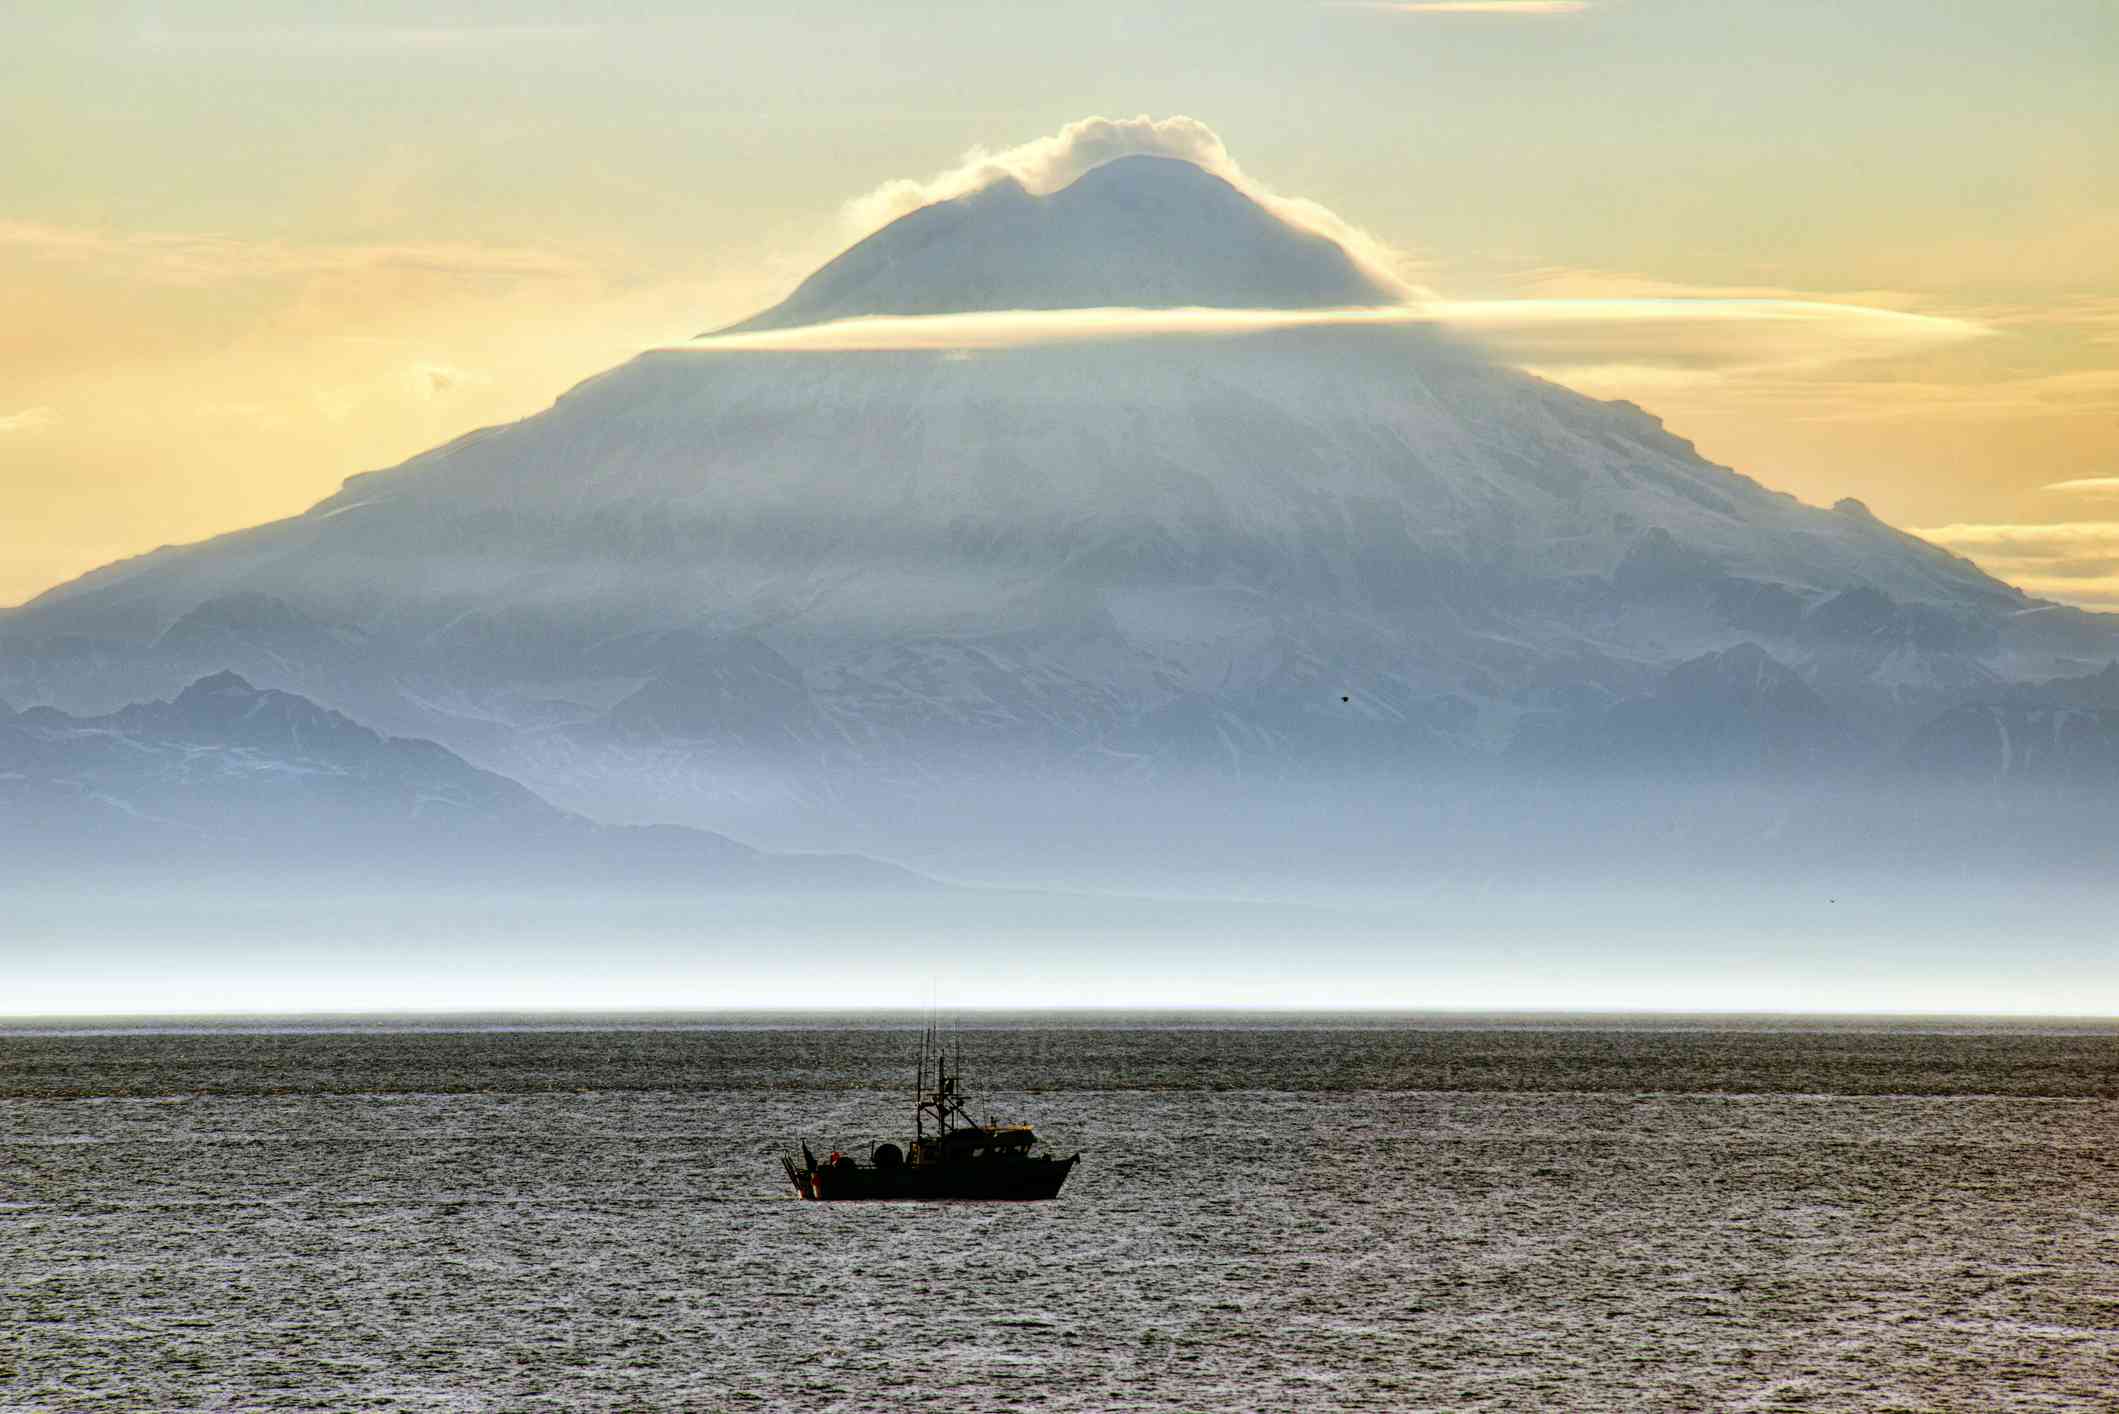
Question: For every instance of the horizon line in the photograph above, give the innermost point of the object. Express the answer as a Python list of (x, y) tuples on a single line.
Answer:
[(914, 1012)]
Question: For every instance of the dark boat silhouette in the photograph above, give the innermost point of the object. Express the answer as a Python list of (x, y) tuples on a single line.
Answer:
[(952, 1156)]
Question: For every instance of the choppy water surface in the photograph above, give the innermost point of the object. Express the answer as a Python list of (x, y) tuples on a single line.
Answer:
[(1272, 1213)]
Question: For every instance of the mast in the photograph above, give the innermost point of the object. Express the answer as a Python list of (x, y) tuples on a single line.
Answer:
[(919, 1086), (943, 1103)]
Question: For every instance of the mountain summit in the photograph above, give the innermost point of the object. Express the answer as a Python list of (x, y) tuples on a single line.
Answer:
[(1139, 232)]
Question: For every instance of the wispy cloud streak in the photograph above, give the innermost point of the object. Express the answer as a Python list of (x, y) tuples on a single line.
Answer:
[(1549, 334), (2086, 486), (2085, 395), (2074, 561), (2094, 318), (1579, 282), (1698, 333), (1020, 328), (28, 420), (2060, 537), (350, 40), (1469, 7), (198, 259)]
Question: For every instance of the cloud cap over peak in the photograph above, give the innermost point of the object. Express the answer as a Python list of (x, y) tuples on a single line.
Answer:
[(1049, 164), (1144, 230), (1046, 164)]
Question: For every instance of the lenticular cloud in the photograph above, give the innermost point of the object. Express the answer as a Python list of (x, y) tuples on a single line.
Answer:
[(1554, 336)]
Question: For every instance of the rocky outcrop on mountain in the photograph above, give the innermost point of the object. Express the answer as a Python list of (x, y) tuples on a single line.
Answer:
[(733, 692), (2098, 690), (2015, 743), (1734, 713)]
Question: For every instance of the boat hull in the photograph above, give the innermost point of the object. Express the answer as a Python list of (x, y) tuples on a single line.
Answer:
[(1019, 1181)]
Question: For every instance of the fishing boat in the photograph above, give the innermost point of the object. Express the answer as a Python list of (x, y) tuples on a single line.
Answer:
[(952, 1156)]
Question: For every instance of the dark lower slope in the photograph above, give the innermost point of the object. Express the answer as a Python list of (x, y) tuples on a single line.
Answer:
[(2061, 747), (227, 780), (1735, 714)]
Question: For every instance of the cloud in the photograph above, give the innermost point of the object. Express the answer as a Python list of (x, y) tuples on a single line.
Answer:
[(2045, 541), (1697, 335), (2086, 486), (1471, 7), (1686, 336), (1020, 328), (2076, 561), (28, 420), (1787, 382), (200, 259), (1578, 282), (1046, 164), (334, 40), (2085, 393), (2094, 318)]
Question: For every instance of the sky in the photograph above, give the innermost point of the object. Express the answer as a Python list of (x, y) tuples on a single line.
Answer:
[(249, 249)]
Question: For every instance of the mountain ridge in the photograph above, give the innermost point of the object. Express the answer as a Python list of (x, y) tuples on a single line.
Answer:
[(227, 776)]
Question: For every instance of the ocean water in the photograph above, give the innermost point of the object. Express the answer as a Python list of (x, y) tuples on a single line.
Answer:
[(1272, 1212)]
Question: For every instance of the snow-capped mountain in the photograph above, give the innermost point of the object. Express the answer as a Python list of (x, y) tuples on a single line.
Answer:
[(762, 589)]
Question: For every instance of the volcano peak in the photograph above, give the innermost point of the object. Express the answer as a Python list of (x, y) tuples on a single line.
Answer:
[(1139, 231)]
